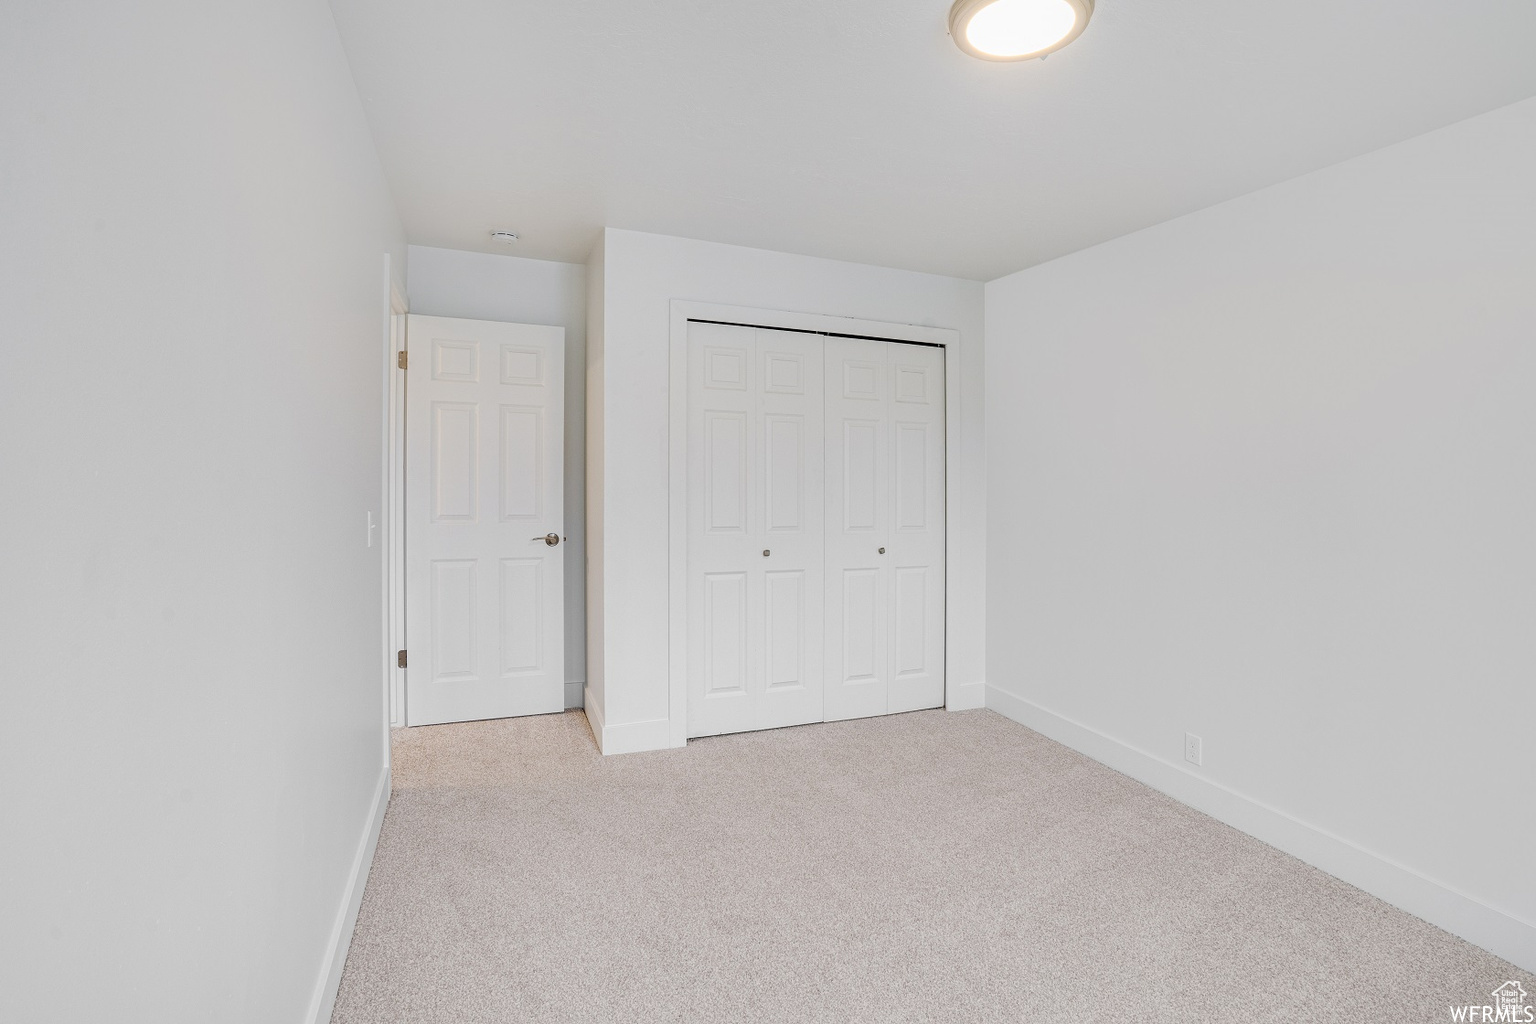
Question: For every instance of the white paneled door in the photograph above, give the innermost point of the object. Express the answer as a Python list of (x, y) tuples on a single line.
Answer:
[(484, 520), (885, 527), (815, 528), (755, 529)]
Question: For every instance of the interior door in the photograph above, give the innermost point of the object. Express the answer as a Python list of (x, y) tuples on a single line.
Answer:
[(884, 527), (484, 520), (755, 533)]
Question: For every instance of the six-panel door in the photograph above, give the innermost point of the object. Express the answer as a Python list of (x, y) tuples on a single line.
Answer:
[(815, 528), (484, 487)]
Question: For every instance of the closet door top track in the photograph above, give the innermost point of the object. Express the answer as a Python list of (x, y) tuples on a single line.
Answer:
[(804, 330)]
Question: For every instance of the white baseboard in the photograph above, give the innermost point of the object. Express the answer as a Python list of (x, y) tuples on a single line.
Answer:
[(633, 737), (1496, 931), (966, 696), (594, 712), (574, 692), (626, 737), (656, 734), (324, 1000)]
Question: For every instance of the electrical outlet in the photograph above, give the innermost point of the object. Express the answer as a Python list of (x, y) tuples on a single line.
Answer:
[(1192, 748)]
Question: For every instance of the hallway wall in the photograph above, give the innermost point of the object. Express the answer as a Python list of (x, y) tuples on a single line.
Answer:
[(192, 270)]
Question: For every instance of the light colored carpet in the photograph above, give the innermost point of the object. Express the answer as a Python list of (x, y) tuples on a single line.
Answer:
[(934, 866)]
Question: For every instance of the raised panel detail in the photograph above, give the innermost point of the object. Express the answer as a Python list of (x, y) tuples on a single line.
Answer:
[(861, 380), (911, 612), (859, 438), (784, 607), (784, 373), (522, 461), (521, 365), (725, 471), (725, 632), (911, 476), (453, 583), (456, 361), (912, 384), (725, 369), (455, 462), (860, 599), (784, 479), (521, 587)]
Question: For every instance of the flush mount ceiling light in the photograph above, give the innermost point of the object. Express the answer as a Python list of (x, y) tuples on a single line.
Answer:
[(504, 236), (1017, 29)]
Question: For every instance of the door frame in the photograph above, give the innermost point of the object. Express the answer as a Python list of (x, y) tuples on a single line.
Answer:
[(677, 476), (393, 527)]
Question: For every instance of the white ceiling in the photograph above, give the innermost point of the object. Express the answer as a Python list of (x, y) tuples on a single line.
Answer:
[(855, 129)]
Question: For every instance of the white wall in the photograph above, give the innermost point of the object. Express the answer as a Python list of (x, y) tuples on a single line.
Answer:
[(486, 286), (191, 269), (1264, 474), (628, 525)]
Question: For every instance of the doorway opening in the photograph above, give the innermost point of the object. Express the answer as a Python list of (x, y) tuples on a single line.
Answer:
[(477, 594)]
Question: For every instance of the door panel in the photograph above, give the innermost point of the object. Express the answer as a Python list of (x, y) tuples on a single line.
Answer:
[(522, 461), (522, 617), (454, 601), (885, 538), (725, 471), (861, 624), (911, 620), (455, 462), (860, 470), (754, 529), (916, 541), (911, 476), (784, 476), (725, 632), (858, 475), (785, 628), (484, 440)]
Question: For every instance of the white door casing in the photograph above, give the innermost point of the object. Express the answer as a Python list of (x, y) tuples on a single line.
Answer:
[(755, 539), (484, 487), (885, 535)]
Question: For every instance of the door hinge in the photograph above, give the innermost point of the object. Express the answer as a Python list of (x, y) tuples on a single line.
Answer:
[(400, 660), (401, 360)]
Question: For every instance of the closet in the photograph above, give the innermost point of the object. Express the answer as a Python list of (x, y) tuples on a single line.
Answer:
[(815, 555)]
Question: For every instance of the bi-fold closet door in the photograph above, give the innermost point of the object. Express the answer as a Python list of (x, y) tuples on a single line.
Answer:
[(884, 527), (815, 580)]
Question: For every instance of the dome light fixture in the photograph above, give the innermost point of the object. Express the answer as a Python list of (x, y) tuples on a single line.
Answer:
[(1017, 29)]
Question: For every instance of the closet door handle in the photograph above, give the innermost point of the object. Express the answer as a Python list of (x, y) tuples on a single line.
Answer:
[(549, 538)]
